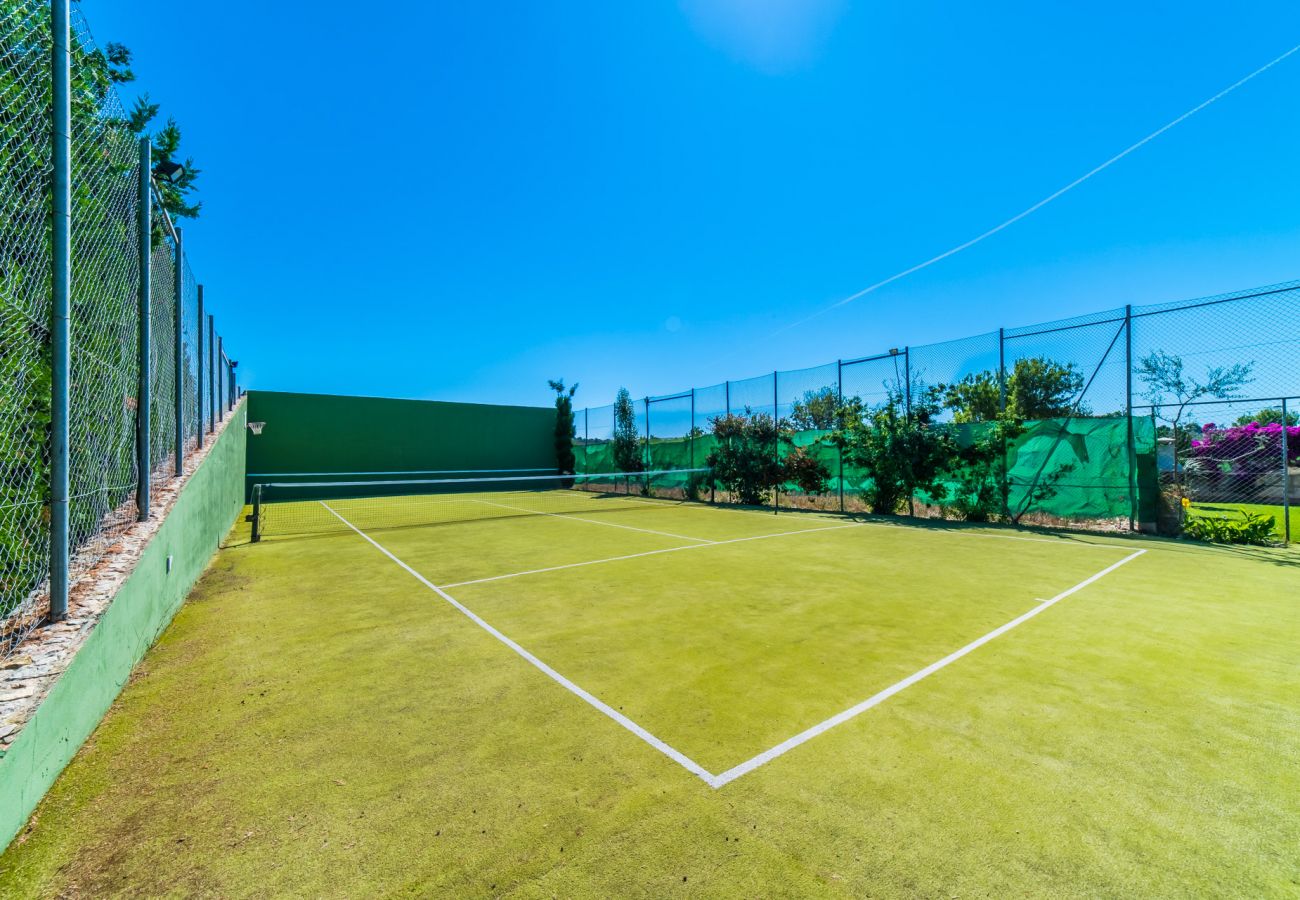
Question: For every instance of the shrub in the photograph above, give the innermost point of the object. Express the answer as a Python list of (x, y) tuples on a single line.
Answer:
[(900, 449), (1246, 528), (745, 460), (978, 473), (1250, 449), (747, 463), (807, 474)]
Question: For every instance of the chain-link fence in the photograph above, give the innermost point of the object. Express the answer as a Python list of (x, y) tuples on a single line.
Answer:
[(110, 260), (1134, 417)]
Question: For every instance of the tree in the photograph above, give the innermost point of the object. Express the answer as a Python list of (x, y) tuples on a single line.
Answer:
[(175, 193), (627, 440), (817, 409), (748, 464), (1168, 384), (1269, 416), (1037, 388), (976, 398), (113, 67), (565, 431), (1040, 388), (902, 453)]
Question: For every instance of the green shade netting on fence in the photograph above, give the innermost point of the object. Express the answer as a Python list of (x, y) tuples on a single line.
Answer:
[(596, 458), (1079, 466), (1086, 464)]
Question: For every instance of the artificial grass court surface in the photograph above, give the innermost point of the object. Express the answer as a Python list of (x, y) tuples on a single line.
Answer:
[(316, 721)]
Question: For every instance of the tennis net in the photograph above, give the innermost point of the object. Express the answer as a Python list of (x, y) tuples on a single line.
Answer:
[(324, 506)]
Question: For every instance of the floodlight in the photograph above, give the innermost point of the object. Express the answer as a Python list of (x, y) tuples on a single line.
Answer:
[(170, 172)]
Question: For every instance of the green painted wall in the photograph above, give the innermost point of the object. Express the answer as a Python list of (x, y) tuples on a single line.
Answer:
[(326, 433), (203, 514)]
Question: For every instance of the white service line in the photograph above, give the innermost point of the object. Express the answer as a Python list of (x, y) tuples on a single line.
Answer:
[(609, 559), (675, 755), (786, 746), (680, 537)]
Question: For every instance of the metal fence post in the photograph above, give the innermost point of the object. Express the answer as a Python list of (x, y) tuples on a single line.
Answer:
[(776, 439), (1002, 369), (1131, 439), (907, 380), (221, 379), (1002, 408), (144, 361), (198, 384), (691, 431), (646, 458), (178, 349), (212, 375), (907, 375), (839, 418), (61, 374), (1286, 480)]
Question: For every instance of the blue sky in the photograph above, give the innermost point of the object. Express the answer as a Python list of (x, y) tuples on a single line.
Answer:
[(459, 201)]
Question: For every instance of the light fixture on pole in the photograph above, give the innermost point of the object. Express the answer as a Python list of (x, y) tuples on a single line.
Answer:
[(168, 171)]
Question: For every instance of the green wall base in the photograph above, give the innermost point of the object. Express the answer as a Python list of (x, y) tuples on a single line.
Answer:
[(202, 515)]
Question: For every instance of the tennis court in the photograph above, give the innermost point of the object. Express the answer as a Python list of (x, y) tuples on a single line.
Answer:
[(545, 689), (710, 634)]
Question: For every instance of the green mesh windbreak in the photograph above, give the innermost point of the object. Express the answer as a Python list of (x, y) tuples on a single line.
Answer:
[(671, 453), (679, 453), (1073, 469), (1086, 463), (595, 458), (1068, 469)]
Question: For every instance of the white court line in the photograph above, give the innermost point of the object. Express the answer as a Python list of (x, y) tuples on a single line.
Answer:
[(609, 559), (962, 532), (758, 537), (786, 746), (717, 781), (676, 756), (957, 532), (680, 537)]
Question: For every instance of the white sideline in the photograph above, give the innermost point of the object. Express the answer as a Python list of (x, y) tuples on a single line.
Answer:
[(787, 745), (676, 756), (680, 537), (609, 559), (717, 781)]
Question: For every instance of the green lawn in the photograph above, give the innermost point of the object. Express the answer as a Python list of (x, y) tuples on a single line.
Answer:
[(318, 722), (1274, 510)]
